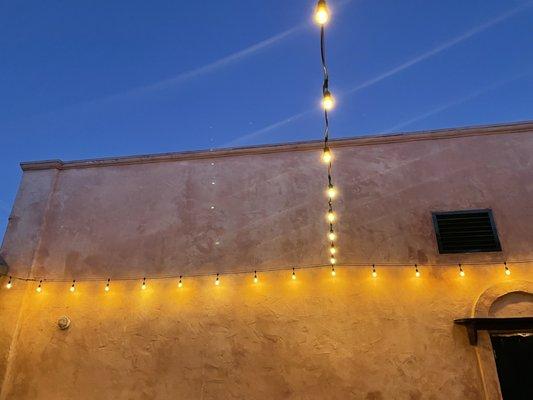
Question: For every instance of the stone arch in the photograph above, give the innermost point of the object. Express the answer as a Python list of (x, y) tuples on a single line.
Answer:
[(500, 295), (486, 300)]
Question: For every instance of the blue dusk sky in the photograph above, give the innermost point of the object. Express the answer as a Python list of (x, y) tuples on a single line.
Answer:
[(86, 79)]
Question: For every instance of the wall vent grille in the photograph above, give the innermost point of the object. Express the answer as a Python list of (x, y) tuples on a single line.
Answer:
[(466, 231)]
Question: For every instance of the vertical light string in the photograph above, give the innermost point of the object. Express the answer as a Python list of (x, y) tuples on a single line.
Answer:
[(180, 283), (107, 285), (9, 284), (374, 273), (322, 17), (461, 272), (73, 286), (40, 287)]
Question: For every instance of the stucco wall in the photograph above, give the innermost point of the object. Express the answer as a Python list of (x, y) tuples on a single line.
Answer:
[(350, 336)]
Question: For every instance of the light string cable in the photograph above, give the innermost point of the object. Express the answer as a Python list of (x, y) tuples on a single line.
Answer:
[(144, 278), (322, 17)]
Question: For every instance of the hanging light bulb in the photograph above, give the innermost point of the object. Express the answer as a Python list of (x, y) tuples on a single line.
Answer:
[(180, 283), (331, 235), (331, 216), (40, 287), (461, 272), (321, 12), (507, 270), (326, 155), (332, 249), (331, 192), (143, 286), (293, 274), (333, 273), (374, 273), (256, 279), (107, 288), (217, 281), (328, 102), (417, 272), (332, 260), (73, 286), (9, 285)]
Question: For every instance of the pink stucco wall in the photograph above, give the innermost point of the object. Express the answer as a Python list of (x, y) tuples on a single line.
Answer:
[(320, 337)]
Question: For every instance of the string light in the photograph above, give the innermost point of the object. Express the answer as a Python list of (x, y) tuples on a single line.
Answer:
[(73, 286), (326, 155), (328, 102), (332, 263), (321, 13), (333, 273), (331, 192)]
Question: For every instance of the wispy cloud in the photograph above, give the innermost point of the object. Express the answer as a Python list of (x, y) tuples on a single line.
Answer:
[(393, 71), (255, 134), (208, 68), (455, 102)]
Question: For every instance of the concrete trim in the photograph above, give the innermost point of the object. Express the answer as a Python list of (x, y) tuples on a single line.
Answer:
[(484, 130)]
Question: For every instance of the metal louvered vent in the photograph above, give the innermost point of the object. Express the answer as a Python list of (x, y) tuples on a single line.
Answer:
[(466, 231)]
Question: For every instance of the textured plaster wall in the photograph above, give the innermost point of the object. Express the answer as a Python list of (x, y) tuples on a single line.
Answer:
[(318, 337)]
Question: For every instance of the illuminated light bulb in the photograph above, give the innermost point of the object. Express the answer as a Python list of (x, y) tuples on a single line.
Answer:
[(328, 102), (331, 216), (333, 273), (331, 192), (507, 270), (293, 274), (417, 272), (321, 13), (107, 288), (332, 236), (332, 249), (143, 286), (332, 260), (39, 288), (256, 279), (461, 272), (9, 284), (217, 281), (73, 287), (374, 273), (326, 155), (180, 283)]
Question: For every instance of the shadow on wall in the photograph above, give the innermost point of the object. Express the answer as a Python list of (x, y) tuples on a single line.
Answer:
[(3, 266)]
